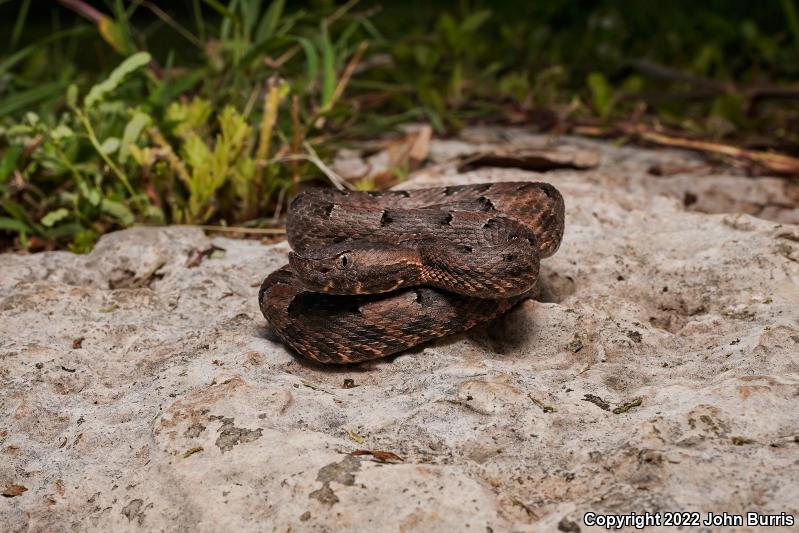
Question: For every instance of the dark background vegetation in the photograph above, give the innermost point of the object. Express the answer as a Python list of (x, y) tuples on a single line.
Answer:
[(214, 111)]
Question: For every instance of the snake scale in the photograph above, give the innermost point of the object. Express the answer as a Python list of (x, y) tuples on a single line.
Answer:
[(372, 274)]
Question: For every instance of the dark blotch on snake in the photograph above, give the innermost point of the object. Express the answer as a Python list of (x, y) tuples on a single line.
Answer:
[(488, 205)]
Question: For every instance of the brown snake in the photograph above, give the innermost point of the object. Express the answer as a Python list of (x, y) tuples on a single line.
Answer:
[(373, 274)]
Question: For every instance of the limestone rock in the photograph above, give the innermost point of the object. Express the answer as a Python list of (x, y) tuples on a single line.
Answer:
[(141, 390)]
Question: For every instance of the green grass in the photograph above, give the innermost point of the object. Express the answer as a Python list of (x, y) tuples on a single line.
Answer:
[(214, 113)]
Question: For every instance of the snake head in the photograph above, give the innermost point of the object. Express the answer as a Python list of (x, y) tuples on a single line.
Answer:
[(357, 268)]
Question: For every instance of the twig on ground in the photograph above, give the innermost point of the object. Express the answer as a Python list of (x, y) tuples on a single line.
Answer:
[(772, 162)]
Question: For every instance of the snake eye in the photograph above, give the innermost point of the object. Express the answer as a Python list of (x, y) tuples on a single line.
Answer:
[(344, 261)]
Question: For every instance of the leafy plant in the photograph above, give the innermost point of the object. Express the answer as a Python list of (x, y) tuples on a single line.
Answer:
[(213, 112), (131, 150)]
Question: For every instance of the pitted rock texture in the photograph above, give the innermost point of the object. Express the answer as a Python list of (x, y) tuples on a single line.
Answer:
[(659, 371)]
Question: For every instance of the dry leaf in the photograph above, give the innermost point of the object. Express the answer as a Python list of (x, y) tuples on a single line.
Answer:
[(392, 163), (379, 455), (535, 159), (13, 490)]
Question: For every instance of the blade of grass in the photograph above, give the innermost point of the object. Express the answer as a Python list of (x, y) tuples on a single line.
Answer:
[(270, 20), (249, 16), (231, 22), (311, 61), (328, 67), (28, 98), (22, 15), (219, 8), (199, 20), (347, 74), (11, 61), (161, 14), (792, 19), (340, 12)]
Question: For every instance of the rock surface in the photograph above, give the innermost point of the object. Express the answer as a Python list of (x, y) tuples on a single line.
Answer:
[(659, 372)]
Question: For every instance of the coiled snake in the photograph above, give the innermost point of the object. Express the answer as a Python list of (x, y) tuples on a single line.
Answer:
[(375, 273)]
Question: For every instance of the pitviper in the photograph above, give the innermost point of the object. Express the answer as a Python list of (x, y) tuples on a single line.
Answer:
[(376, 273)]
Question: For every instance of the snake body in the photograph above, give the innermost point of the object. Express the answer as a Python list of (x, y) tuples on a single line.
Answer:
[(375, 273)]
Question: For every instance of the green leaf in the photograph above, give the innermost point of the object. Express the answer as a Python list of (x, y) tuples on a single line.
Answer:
[(115, 34), (154, 214), (9, 224), (133, 129), (93, 195), (117, 210), (8, 163), (72, 95), (601, 94), (131, 64), (196, 153), (449, 29), (187, 118), (83, 242), (64, 230), (62, 131), (51, 218), (110, 145), (475, 20), (18, 212)]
